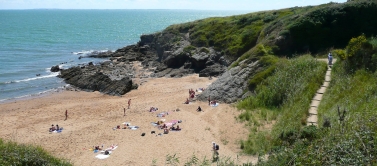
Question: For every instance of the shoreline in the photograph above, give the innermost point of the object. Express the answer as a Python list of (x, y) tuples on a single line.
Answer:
[(92, 115)]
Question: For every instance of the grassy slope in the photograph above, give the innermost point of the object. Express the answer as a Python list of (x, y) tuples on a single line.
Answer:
[(14, 154), (301, 29), (342, 138)]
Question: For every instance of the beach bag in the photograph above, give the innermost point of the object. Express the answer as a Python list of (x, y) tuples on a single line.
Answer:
[(143, 134), (217, 147), (106, 152)]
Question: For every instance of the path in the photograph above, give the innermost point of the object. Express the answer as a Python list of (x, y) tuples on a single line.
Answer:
[(313, 110)]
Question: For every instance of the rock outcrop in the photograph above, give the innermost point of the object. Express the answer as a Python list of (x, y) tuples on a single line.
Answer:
[(55, 68), (231, 85), (164, 54), (93, 78)]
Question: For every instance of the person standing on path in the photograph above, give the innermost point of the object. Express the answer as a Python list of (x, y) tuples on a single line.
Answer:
[(129, 103), (330, 58), (66, 114)]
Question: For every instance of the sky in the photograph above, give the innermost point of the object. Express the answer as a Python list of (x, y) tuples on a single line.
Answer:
[(248, 5)]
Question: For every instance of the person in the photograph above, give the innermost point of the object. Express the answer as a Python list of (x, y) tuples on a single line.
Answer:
[(66, 114), (209, 100), (187, 101), (52, 128), (215, 155), (199, 109), (129, 103), (124, 111), (57, 127), (166, 131), (330, 58)]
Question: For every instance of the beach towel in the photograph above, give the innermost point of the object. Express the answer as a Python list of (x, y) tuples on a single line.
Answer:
[(134, 127), (215, 105), (154, 123), (169, 124), (174, 121), (110, 149), (103, 156)]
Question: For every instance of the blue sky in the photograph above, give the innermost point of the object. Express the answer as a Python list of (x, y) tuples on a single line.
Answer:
[(249, 5)]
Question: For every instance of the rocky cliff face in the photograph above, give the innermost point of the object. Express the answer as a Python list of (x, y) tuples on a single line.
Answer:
[(166, 55), (231, 85)]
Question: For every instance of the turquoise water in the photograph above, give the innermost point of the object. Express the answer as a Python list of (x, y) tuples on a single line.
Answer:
[(31, 41)]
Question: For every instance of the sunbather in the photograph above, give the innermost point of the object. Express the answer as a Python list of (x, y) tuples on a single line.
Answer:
[(187, 101)]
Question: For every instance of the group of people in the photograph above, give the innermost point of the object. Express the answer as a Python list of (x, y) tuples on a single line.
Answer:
[(55, 128), (167, 129), (191, 93)]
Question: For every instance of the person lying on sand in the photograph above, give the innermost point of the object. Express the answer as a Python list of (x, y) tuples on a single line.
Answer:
[(213, 102), (97, 148), (175, 128)]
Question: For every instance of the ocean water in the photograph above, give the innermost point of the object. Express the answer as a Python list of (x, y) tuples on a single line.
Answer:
[(32, 41)]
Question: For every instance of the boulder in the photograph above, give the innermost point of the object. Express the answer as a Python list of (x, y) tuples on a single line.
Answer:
[(97, 81), (55, 68)]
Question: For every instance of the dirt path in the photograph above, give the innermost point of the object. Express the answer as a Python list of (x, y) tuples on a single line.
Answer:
[(313, 110)]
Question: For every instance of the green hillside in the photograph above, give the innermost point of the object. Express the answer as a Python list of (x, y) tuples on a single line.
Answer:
[(286, 43)]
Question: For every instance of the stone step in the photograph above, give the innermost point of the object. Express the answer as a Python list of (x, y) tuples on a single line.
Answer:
[(318, 97), (321, 90), (313, 111), (326, 84), (314, 103), (327, 78)]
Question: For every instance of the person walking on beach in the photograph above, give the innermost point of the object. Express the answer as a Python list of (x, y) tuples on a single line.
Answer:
[(66, 114), (215, 149), (124, 110), (129, 103), (209, 100)]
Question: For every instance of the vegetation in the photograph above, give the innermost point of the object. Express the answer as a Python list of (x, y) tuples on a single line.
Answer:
[(287, 31), (347, 118), (283, 87), (13, 154), (283, 97)]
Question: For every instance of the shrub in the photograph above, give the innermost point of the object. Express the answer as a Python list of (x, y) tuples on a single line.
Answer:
[(14, 154)]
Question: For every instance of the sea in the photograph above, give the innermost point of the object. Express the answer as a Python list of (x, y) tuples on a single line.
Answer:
[(32, 41)]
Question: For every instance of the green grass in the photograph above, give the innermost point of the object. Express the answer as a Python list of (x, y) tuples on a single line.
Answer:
[(347, 116), (284, 96), (15, 154)]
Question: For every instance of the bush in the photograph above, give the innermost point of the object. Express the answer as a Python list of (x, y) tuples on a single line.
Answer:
[(14, 154)]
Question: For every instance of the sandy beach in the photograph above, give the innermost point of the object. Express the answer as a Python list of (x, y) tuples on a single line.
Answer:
[(92, 117)]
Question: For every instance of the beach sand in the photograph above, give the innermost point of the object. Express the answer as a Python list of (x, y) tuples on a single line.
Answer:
[(92, 117)]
